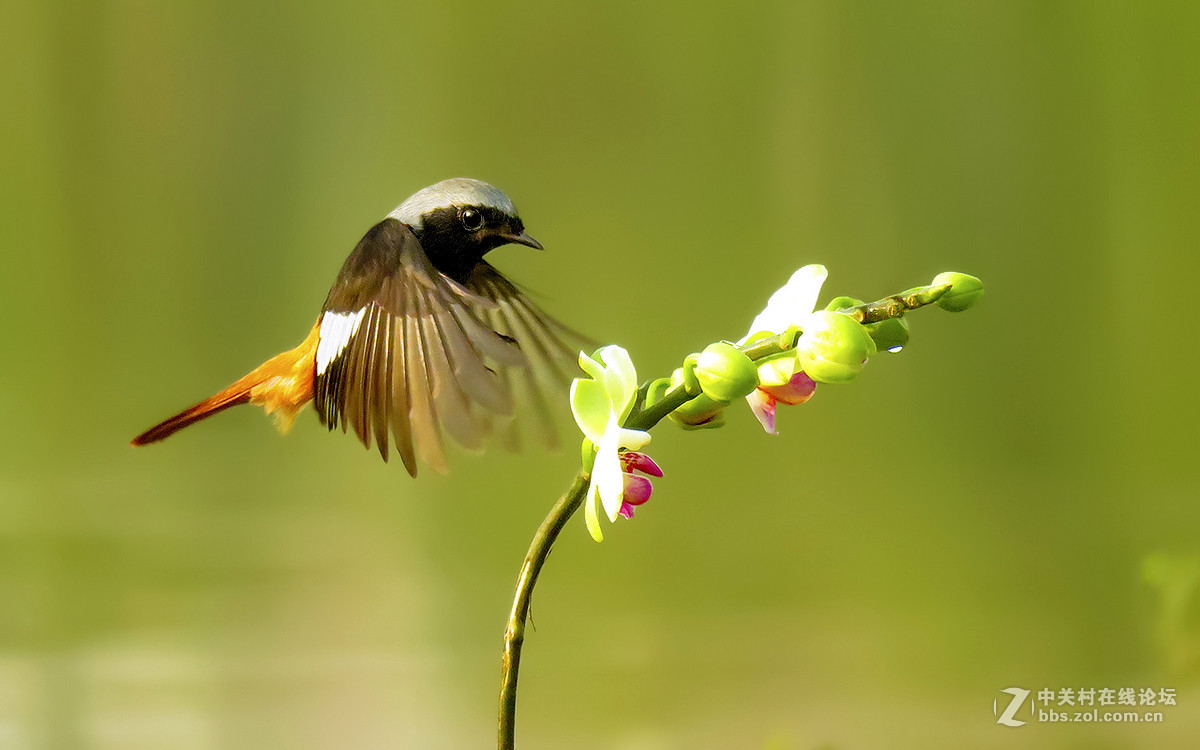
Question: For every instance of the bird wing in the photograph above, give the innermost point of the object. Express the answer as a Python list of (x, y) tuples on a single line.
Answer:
[(551, 348), (405, 349)]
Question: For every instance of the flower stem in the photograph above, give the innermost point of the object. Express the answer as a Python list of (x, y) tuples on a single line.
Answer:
[(514, 634), (644, 419), (896, 305)]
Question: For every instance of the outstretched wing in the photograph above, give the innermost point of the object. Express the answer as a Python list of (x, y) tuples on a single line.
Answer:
[(405, 350), (550, 348)]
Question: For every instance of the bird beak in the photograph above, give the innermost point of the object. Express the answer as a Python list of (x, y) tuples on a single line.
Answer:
[(523, 239)]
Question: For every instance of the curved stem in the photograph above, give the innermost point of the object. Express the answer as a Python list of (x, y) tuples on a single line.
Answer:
[(514, 634)]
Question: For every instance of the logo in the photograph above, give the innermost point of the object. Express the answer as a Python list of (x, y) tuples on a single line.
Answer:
[(1105, 705), (1018, 699)]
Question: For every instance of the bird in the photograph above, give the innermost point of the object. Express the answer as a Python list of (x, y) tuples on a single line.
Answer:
[(418, 335)]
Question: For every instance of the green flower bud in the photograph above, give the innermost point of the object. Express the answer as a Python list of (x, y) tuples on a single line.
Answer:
[(700, 413), (964, 293), (889, 335), (725, 373), (839, 303), (833, 347)]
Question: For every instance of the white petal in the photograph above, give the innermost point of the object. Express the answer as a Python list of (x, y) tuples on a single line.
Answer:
[(792, 303), (633, 440), (620, 379), (607, 473)]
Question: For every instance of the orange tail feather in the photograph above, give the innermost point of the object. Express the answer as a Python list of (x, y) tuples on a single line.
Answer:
[(282, 385)]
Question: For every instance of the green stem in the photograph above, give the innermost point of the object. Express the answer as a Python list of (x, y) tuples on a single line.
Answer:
[(514, 634), (646, 418), (772, 345), (896, 305)]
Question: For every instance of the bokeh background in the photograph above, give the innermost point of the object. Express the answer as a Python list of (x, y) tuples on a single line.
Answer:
[(1012, 501)]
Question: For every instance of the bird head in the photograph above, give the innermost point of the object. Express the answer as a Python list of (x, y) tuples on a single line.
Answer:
[(459, 220)]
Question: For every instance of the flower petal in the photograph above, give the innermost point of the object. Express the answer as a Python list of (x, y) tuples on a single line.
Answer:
[(637, 489), (763, 406), (797, 390), (632, 460), (620, 379), (632, 439), (626, 510), (792, 303), (589, 512), (591, 367), (607, 472), (591, 406)]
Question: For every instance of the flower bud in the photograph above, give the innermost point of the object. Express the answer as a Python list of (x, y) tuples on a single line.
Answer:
[(725, 373), (964, 293), (834, 347), (889, 335), (701, 412)]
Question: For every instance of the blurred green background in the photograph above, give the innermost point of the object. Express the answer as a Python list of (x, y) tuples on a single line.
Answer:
[(1010, 502)]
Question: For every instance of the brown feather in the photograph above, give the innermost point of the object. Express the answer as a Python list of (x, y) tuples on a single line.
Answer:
[(282, 385)]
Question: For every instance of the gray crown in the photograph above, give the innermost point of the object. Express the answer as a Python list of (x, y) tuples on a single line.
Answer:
[(456, 191)]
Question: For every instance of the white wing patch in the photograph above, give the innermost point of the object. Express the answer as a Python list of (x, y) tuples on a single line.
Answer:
[(336, 330)]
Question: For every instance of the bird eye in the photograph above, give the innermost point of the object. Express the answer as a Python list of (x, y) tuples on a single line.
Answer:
[(471, 219)]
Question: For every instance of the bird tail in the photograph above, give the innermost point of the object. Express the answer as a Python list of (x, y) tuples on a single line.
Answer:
[(282, 385)]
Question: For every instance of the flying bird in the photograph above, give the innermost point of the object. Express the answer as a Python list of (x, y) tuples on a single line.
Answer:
[(418, 335)]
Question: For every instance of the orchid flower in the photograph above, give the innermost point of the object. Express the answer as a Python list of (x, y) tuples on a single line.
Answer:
[(600, 406), (798, 389), (779, 377)]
